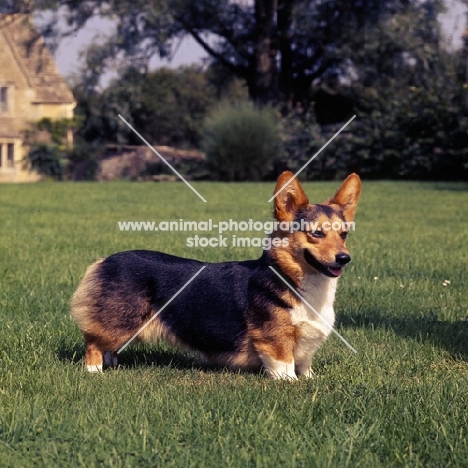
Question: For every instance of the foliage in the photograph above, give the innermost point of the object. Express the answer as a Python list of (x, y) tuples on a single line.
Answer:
[(410, 103), (82, 162), (399, 133), (278, 48), (47, 160), (423, 135), (174, 106), (413, 121), (167, 107), (301, 138), (383, 61), (241, 142), (56, 129), (227, 86), (51, 155)]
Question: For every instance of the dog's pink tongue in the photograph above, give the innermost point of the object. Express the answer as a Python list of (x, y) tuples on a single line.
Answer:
[(335, 271)]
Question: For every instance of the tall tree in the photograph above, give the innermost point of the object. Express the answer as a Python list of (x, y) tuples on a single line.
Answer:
[(279, 47), (167, 106)]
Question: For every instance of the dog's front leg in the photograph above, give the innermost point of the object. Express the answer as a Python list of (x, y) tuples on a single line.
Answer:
[(305, 369), (274, 343), (278, 369), (303, 359), (309, 337)]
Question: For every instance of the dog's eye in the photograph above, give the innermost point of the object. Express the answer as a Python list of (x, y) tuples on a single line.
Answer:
[(317, 234), (344, 235)]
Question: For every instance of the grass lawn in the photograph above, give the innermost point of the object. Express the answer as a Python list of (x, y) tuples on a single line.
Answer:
[(402, 400)]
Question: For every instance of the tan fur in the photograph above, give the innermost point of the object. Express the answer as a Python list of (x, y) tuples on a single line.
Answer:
[(291, 198), (309, 330), (276, 337), (80, 302), (347, 196), (99, 339)]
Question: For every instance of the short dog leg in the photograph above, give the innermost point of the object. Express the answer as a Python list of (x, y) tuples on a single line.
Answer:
[(304, 366), (278, 369), (110, 359), (306, 371), (93, 358), (306, 347)]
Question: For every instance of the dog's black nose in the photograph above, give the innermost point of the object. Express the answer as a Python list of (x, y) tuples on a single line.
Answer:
[(342, 258)]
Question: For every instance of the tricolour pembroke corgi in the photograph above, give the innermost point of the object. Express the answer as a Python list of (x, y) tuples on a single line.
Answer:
[(238, 314)]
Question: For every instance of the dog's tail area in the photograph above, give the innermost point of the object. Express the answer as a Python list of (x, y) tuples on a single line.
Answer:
[(109, 320), (84, 297), (82, 311)]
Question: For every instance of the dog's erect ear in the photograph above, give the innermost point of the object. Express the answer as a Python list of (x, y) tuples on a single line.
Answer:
[(291, 198), (347, 196)]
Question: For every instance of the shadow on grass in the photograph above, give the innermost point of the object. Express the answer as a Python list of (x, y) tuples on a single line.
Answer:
[(451, 336), (136, 358), (143, 356), (450, 186), (69, 352)]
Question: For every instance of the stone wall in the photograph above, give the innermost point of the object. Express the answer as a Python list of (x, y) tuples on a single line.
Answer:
[(141, 163)]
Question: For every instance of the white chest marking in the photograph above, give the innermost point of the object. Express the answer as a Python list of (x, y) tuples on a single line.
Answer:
[(319, 292)]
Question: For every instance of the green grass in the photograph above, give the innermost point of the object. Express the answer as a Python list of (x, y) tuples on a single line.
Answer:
[(402, 400)]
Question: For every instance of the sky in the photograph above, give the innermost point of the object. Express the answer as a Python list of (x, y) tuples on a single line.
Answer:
[(454, 22), (68, 52)]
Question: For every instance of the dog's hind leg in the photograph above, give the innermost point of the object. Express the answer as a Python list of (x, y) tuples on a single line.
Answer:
[(93, 355), (110, 359)]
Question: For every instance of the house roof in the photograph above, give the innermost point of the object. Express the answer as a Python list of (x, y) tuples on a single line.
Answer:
[(35, 60)]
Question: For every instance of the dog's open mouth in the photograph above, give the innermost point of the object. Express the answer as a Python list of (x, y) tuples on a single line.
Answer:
[(333, 271)]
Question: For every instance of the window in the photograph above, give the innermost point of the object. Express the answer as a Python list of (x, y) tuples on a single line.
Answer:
[(3, 99), (11, 155)]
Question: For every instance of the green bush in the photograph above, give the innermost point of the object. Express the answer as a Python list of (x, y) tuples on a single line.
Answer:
[(301, 138), (241, 142), (166, 106), (54, 162), (400, 132), (82, 162), (46, 160), (414, 133)]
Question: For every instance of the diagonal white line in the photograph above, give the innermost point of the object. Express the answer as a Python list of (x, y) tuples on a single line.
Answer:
[(313, 157), (313, 310), (161, 309), (159, 154)]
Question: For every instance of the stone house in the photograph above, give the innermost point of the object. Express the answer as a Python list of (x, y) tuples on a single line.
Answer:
[(31, 88)]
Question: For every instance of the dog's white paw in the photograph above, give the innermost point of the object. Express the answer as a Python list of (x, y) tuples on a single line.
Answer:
[(284, 376), (309, 373), (279, 370), (94, 368)]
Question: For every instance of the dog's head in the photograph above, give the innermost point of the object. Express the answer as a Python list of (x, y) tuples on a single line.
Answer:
[(317, 233)]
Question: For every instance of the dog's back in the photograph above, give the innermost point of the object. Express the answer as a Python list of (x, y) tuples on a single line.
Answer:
[(120, 294)]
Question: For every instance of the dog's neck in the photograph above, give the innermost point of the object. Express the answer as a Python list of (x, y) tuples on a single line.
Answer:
[(318, 290)]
